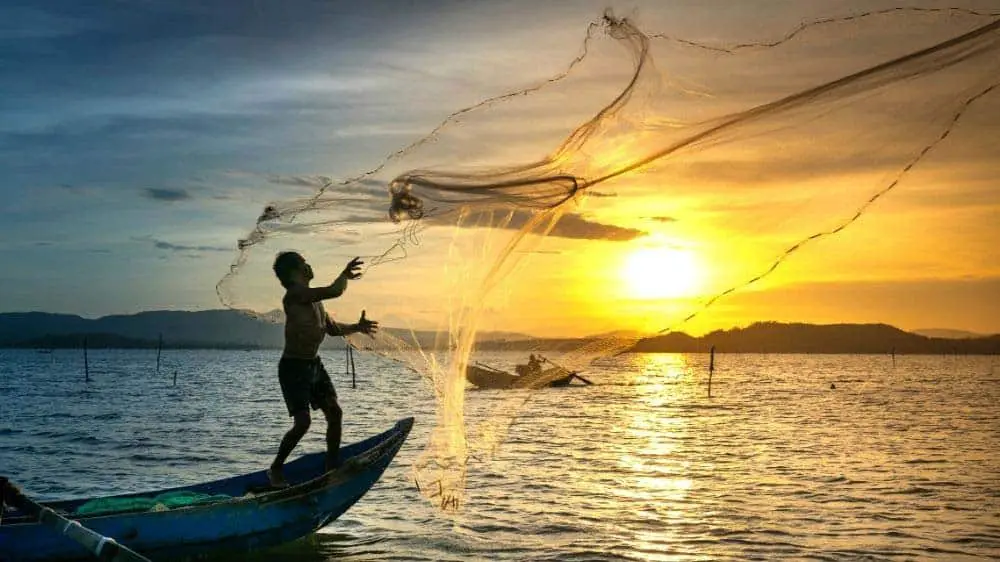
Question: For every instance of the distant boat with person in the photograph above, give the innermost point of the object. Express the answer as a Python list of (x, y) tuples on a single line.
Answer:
[(528, 375)]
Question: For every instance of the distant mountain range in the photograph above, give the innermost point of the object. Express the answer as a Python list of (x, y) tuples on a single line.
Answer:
[(775, 337), (948, 334), (210, 328), (229, 329), (218, 329)]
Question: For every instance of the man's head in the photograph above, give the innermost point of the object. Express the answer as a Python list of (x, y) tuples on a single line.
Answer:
[(292, 269)]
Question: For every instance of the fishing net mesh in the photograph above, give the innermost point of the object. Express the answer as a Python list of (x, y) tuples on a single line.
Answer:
[(519, 211)]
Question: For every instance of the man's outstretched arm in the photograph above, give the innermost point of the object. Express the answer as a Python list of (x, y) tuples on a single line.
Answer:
[(333, 290), (364, 326)]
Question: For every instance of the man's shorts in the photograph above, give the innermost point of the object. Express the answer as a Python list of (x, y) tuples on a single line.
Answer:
[(304, 383)]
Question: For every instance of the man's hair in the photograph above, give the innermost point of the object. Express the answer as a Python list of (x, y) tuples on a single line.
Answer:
[(285, 264)]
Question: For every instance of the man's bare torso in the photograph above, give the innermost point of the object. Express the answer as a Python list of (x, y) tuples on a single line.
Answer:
[(305, 328)]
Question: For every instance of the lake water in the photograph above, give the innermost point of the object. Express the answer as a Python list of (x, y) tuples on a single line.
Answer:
[(898, 462)]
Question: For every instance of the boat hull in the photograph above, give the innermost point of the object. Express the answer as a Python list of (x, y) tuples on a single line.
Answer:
[(491, 379), (246, 523), (486, 378)]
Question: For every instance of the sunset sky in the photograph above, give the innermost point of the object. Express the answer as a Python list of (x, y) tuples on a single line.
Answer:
[(140, 140)]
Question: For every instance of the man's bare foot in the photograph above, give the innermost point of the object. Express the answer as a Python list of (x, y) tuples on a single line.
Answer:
[(276, 477)]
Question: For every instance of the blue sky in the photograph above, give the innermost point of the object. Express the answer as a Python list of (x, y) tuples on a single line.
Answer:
[(139, 140)]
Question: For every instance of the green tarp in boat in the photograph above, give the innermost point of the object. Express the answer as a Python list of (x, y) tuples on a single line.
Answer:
[(168, 500)]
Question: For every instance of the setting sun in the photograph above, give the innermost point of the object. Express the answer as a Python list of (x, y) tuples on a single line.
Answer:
[(656, 273)]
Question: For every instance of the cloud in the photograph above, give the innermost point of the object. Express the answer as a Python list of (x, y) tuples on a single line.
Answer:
[(166, 194), (662, 219), (171, 247), (571, 225), (335, 190), (575, 226), (311, 182)]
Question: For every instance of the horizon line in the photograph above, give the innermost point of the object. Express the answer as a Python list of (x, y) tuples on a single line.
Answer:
[(251, 313)]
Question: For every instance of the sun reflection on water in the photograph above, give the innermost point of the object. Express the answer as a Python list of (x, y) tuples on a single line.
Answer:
[(657, 476)]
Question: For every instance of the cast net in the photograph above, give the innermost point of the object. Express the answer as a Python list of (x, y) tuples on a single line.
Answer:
[(643, 189)]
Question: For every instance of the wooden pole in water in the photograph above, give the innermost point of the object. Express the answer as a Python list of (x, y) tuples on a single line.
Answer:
[(175, 377), (894, 356), (711, 369), (354, 372), (159, 348), (86, 361)]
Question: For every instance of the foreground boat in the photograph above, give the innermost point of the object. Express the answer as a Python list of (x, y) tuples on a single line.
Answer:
[(253, 518)]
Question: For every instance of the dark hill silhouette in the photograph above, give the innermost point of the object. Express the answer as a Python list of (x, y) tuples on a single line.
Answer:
[(232, 329), (181, 329), (116, 341), (224, 328), (775, 337), (948, 334)]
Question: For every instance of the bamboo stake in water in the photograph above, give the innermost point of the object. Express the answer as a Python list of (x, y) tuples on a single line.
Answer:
[(711, 369), (354, 372), (86, 361), (159, 348)]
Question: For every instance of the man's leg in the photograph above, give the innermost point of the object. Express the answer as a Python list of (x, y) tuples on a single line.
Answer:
[(334, 420), (324, 397), (288, 443), (295, 377)]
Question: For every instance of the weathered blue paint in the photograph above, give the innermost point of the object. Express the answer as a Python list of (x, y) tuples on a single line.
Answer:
[(247, 522)]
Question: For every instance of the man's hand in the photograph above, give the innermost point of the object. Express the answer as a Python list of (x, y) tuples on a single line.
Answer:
[(353, 269), (366, 326)]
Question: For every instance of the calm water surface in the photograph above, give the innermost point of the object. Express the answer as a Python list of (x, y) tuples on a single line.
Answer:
[(896, 463)]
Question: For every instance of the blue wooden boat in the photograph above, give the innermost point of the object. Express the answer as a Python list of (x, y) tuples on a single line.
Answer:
[(254, 518)]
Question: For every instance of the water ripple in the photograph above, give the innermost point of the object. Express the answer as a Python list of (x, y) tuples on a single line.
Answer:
[(897, 463)]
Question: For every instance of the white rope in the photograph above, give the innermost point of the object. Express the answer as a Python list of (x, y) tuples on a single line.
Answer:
[(102, 543), (69, 522)]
